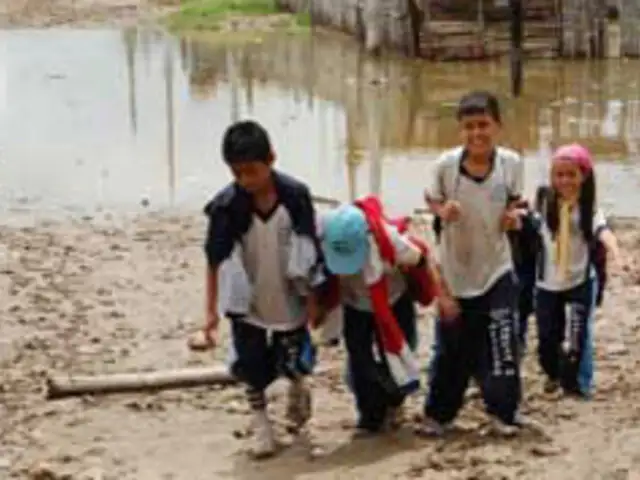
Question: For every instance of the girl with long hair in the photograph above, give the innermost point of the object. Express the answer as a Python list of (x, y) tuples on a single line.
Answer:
[(572, 230)]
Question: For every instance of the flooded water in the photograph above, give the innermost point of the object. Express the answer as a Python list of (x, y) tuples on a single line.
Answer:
[(120, 119)]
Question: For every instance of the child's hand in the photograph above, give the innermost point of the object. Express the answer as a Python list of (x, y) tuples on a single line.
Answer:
[(450, 211), (512, 219), (312, 311), (617, 260), (448, 308), (205, 338)]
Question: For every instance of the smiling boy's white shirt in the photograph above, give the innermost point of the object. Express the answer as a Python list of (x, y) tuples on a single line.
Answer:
[(474, 251)]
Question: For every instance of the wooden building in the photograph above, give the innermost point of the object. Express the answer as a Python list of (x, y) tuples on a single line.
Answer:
[(474, 29)]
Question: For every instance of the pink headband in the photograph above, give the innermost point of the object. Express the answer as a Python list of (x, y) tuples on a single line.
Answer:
[(577, 154)]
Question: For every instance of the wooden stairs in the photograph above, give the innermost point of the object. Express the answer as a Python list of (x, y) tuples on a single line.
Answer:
[(454, 30)]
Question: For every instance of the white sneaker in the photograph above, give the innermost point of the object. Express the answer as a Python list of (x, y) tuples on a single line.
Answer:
[(299, 404), (431, 428), (264, 438), (502, 429), (527, 423)]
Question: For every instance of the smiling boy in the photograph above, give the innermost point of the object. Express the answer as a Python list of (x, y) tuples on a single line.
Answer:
[(470, 190)]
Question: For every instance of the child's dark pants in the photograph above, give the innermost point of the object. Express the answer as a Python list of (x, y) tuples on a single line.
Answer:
[(259, 356), (481, 343), (370, 379), (573, 366)]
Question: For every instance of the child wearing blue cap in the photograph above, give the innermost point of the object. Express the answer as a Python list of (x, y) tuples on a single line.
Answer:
[(473, 190), (379, 325), (262, 226)]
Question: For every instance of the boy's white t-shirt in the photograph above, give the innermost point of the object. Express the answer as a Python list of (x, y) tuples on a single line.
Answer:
[(577, 272), (256, 275), (474, 251)]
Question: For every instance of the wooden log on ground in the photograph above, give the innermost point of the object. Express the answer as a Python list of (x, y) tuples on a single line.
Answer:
[(63, 386)]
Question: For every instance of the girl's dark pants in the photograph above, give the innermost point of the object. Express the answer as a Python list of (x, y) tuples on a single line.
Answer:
[(572, 367), (371, 382), (482, 343)]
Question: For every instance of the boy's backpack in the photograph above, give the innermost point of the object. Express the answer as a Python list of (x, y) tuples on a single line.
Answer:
[(421, 284), (597, 249)]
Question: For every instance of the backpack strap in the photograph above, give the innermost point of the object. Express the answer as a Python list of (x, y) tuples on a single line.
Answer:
[(592, 248), (541, 206)]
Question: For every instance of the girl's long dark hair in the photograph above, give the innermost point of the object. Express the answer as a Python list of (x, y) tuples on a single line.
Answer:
[(586, 205)]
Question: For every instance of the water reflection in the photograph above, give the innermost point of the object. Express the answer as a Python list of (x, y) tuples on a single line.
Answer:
[(106, 119)]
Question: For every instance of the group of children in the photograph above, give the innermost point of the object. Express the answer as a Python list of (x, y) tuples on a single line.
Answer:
[(497, 260)]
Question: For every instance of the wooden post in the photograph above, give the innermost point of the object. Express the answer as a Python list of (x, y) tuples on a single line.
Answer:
[(233, 77), (559, 12), (600, 20), (130, 44), (375, 133), (426, 28), (481, 28), (171, 131), (515, 7)]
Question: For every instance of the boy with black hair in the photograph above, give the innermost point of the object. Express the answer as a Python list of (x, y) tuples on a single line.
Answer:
[(472, 191), (264, 225)]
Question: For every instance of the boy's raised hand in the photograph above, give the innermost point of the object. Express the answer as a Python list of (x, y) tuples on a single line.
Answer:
[(512, 218), (450, 211)]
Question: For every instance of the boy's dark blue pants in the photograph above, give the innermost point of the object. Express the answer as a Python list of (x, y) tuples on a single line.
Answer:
[(259, 356), (482, 343), (573, 366), (369, 377)]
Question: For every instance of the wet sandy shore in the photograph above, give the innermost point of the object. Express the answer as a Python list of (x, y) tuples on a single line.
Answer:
[(100, 295)]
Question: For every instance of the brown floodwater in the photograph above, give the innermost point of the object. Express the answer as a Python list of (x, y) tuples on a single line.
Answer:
[(127, 120)]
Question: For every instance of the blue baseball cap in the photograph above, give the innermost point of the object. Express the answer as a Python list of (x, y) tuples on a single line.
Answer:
[(345, 240)]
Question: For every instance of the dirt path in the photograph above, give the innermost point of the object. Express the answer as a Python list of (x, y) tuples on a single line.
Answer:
[(94, 296)]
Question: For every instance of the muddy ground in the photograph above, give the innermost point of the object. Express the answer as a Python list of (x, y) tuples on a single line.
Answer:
[(101, 295)]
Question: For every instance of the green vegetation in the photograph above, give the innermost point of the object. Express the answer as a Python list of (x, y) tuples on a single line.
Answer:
[(234, 15)]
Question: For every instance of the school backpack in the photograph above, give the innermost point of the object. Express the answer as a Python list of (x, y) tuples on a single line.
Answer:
[(421, 285)]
